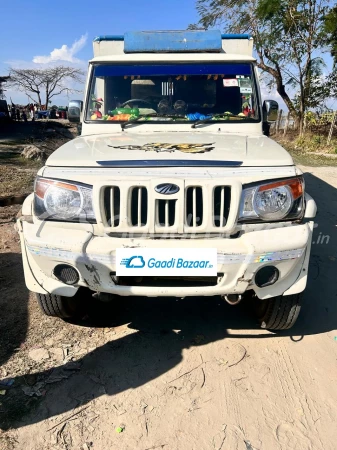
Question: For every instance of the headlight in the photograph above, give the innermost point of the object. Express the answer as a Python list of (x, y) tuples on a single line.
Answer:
[(273, 201), (63, 200)]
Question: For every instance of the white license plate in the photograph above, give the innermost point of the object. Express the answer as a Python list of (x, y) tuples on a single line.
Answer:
[(166, 262)]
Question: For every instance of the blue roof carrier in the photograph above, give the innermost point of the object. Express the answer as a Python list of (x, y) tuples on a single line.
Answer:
[(172, 41), (120, 37), (110, 37)]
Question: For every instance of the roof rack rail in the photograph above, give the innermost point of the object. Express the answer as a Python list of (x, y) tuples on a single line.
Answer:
[(120, 37)]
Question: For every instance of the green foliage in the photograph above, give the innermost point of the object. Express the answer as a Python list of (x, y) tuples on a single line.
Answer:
[(300, 142), (330, 27), (311, 118), (317, 140), (313, 143), (267, 9), (319, 121), (332, 82)]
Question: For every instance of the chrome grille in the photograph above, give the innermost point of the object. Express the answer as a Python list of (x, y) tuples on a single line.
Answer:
[(198, 207)]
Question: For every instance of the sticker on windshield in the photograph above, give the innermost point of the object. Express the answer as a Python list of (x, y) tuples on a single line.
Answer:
[(246, 90), (245, 82), (245, 85), (231, 82)]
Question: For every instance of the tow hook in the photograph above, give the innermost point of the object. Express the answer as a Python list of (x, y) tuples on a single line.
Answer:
[(232, 299)]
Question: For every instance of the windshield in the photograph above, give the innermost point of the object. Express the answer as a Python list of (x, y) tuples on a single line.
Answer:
[(173, 93)]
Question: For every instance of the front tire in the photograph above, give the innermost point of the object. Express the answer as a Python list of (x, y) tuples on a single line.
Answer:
[(58, 306), (278, 313)]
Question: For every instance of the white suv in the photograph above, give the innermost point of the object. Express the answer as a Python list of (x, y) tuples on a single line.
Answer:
[(173, 188)]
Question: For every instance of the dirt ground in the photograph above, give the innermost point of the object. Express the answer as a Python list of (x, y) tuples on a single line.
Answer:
[(192, 374), (17, 174)]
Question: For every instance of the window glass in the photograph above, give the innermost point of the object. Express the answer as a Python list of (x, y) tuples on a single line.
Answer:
[(177, 92)]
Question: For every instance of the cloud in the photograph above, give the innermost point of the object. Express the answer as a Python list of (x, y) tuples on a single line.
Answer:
[(64, 53)]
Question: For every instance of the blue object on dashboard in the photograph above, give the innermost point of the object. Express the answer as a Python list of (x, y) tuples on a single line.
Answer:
[(197, 116), (172, 41)]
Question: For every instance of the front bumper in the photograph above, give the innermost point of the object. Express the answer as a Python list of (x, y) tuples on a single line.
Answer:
[(43, 247)]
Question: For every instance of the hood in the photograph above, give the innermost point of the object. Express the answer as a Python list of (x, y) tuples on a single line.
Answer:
[(170, 149)]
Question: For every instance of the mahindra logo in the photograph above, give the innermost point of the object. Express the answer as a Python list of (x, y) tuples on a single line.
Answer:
[(167, 189)]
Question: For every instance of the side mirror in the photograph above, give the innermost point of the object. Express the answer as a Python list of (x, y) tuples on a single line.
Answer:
[(270, 111), (74, 111)]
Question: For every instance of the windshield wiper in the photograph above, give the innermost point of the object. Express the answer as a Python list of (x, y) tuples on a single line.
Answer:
[(123, 124), (217, 117), (206, 119), (136, 119)]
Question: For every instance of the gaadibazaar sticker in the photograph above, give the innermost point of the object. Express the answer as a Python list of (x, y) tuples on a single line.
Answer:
[(166, 262)]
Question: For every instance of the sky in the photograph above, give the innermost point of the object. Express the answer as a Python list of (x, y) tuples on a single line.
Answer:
[(39, 33)]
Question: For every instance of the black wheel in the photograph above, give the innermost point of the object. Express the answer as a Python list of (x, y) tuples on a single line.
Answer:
[(58, 306), (278, 313)]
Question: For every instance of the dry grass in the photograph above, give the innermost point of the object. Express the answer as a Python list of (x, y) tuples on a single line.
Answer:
[(16, 173), (309, 150), (14, 181)]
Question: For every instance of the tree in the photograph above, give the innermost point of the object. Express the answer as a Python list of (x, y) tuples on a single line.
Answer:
[(288, 37), (330, 27), (2, 80), (48, 82)]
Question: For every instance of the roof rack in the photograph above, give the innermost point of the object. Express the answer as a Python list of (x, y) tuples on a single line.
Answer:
[(120, 37)]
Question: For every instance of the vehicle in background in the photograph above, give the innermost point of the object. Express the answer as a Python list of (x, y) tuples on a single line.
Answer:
[(173, 187), (75, 108)]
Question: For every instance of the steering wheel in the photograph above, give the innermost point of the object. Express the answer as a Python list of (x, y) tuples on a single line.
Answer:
[(134, 100)]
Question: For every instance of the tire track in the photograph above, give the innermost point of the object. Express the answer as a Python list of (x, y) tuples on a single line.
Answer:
[(307, 403), (304, 432), (233, 411)]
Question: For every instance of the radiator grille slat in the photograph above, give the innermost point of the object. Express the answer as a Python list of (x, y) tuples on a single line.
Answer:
[(112, 206), (138, 207), (194, 206), (165, 213), (221, 205), (112, 202)]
